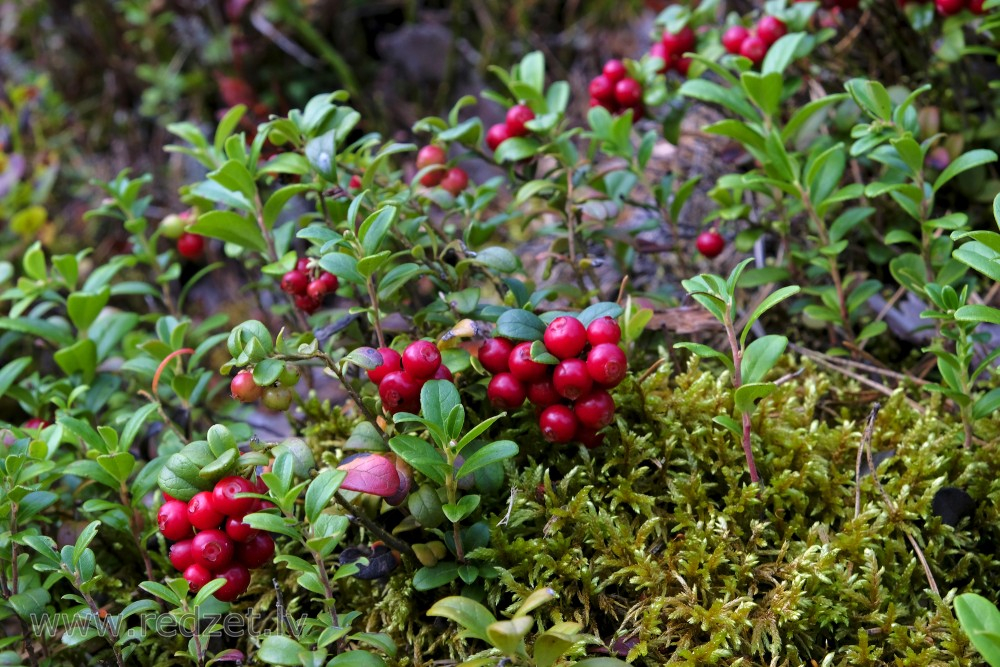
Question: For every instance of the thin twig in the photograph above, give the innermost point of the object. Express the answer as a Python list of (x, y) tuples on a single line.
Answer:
[(372, 527), (865, 445)]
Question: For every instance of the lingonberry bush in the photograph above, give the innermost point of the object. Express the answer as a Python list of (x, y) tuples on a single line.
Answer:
[(344, 385)]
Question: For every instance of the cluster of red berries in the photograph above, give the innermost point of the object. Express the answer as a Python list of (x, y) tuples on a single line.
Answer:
[(513, 126), (400, 377), (710, 243), (615, 91), (672, 47), (452, 180), (754, 44), (573, 394), (210, 539), (308, 286), (278, 397)]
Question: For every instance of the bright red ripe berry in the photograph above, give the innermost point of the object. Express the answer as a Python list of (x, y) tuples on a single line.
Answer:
[(602, 89), (657, 50), (683, 65), (596, 409), (190, 246), (517, 116), (303, 264), (565, 337), (172, 518), (543, 394), (224, 496), (523, 367), (237, 581), (197, 576), (733, 38), (614, 70), (181, 556), (295, 282), (628, 92), (496, 135), (239, 531), (771, 29), (35, 423), (571, 379), (604, 330), (493, 355), (681, 42), (431, 156), (949, 7), (591, 438), (202, 513), (256, 551), (276, 398), (316, 290), (754, 48), (421, 359), (330, 280), (212, 549), (400, 392), (355, 182), (391, 362), (454, 181), (558, 423), (243, 388), (606, 363), (506, 392), (710, 243), (443, 373), (307, 304)]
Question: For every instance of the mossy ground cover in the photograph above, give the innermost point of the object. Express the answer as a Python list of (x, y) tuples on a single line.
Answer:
[(658, 544)]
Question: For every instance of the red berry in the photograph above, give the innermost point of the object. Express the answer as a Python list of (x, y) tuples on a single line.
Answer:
[(391, 362), (949, 7), (607, 364), (506, 392), (543, 394), (443, 373), (614, 70), (431, 156), (571, 379), (455, 180), (710, 243), (303, 264), (565, 337), (239, 531), (558, 423), (35, 423), (307, 304), (681, 42), (330, 280), (657, 50), (496, 135), (237, 581), (771, 29), (316, 289), (602, 89), (355, 182), (224, 496), (596, 409), (243, 388), (295, 282), (256, 551), (421, 359), (604, 330), (172, 518), (181, 555), (682, 65), (190, 246), (733, 38), (202, 513), (754, 48), (628, 92), (212, 549), (523, 367), (976, 6), (400, 392), (493, 355), (517, 116), (197, 576), (590, 438)]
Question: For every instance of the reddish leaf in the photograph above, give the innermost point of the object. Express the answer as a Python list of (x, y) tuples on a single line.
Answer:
[(370, 473)]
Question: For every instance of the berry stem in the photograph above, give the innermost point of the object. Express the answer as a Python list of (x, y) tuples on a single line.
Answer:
[(376, 316), (372, 527)]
